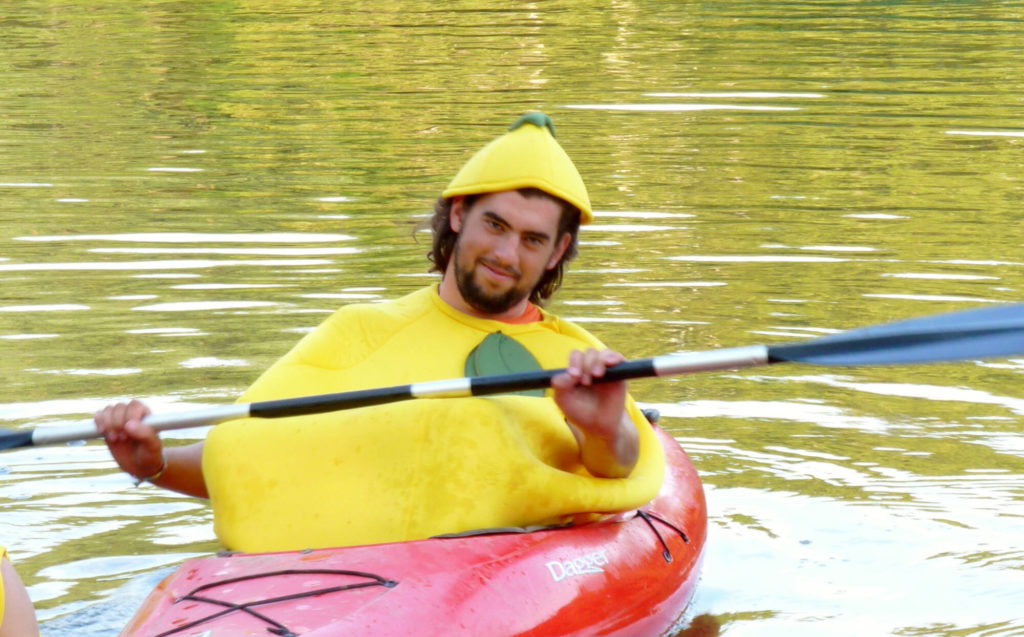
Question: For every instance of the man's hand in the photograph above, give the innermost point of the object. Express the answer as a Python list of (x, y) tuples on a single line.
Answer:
[(596, 413), (136, 448), (138, 451)]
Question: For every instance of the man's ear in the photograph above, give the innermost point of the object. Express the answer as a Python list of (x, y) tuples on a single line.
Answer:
[(556, 256), (456, 215)]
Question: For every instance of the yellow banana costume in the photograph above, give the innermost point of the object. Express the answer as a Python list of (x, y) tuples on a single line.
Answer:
[(413, 469)]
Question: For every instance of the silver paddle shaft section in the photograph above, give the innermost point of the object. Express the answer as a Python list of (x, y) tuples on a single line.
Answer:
[(454, 388), (671, 365), (691, 363), (161, 422)]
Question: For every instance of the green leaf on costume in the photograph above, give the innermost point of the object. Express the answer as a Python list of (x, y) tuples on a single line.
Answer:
[(499, 354)]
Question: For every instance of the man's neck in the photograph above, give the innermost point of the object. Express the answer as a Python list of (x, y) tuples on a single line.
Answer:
[(449, 293)]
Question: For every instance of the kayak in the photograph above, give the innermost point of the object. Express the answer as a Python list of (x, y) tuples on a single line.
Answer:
[(631, 574)]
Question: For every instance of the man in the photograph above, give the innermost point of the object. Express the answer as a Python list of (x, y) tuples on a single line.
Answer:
[(503, 231)]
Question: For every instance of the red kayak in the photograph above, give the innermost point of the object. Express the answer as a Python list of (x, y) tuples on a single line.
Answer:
[(631, 575)]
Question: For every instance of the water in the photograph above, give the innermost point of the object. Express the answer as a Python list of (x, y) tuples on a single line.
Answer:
[(186, 189)]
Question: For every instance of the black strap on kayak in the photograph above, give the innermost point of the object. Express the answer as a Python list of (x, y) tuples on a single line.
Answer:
[(274, 626), (650, 518)]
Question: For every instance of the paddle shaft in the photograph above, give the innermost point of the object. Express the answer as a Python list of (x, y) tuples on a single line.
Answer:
[(670, 365), (971, 334)]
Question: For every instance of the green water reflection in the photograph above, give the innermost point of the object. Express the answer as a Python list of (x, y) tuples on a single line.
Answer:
[(186, 188)]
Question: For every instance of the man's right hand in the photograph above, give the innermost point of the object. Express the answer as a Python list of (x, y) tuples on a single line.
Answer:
[(136, 448)]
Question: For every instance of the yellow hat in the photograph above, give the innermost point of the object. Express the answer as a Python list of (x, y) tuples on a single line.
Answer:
[(526, 156)]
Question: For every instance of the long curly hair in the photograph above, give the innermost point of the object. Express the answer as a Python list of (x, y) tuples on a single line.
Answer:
[(445, 238)]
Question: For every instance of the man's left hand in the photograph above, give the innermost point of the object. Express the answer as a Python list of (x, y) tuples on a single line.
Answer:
[(595, 412)]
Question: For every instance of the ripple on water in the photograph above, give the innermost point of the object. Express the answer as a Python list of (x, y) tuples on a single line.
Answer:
[(849, 562), (115, 371), (680, 108), (639, 214), (115, 565), (56, 307), (169, 264), (624, 227), (756, 258), (939, 276), (945, 298), (197, 237), (203, 306), (937, 393), (212, 361), (270, 252), (24, 337)]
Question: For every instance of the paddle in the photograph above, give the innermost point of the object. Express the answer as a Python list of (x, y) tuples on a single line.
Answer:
[(971, 334)]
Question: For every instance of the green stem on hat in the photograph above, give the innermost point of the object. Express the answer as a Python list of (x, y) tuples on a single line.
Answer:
[(536, 118)]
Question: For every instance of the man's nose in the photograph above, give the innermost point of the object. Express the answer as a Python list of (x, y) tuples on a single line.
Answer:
[(508, 249)]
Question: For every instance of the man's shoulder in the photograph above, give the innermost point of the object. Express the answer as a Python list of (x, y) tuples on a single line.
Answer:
[(357, 329), (401, 308), (570, 329)]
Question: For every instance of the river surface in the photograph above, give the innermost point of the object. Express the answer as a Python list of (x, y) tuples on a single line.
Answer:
[(187, 188)]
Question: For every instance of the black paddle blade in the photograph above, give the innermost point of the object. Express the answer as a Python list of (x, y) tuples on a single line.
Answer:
[(15, 439), (966, 335)]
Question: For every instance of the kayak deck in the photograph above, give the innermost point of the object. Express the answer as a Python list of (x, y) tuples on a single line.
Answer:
[(633, 574)]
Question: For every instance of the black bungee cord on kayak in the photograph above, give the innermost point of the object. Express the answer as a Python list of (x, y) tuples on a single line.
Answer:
[(274, 627), (653, 416), (650, 519)]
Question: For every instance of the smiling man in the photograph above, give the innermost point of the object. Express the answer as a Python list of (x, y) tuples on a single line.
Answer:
[(503, 231), (507, 242)]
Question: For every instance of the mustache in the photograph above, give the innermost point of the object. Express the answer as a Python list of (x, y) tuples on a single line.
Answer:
[(510, 271)]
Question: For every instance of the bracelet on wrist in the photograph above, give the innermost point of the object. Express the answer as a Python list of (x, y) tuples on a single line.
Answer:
[(155, 476)]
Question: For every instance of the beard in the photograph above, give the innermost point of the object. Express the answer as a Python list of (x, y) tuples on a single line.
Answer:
[(480, 299)]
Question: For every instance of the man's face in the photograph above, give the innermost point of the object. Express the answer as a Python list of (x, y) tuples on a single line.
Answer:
[(505, 245)]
